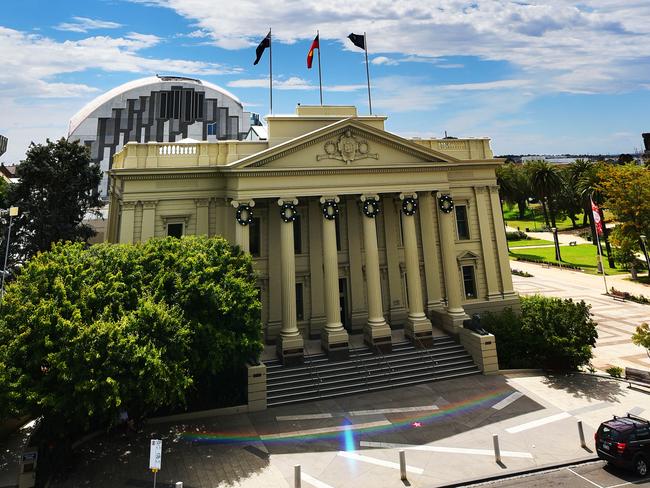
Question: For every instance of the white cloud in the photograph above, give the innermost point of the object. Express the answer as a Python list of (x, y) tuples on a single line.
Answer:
[(84, 24), (384, 60), (573, 46), (489, 85), (291, 83)]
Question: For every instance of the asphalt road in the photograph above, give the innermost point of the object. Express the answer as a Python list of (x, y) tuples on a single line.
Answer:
[(591, 475)]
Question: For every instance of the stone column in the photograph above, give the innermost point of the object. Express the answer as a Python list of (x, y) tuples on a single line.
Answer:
[(487, 246), (243, 218), (148, 220), (455, 312), (334, 338), (502, 245), (290, 343), (202, 216), (430, 252), (376, 333), (417, 325), (127, 223), (317, 320)]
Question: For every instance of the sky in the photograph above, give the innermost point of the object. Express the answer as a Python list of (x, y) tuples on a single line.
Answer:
[(537, 77)]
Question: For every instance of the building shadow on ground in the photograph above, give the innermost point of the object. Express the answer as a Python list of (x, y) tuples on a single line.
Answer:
[(586, 386)]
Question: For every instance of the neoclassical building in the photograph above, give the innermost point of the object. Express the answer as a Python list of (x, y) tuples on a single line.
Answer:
[(352, 229)]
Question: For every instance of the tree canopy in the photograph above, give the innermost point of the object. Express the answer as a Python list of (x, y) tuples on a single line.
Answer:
[(85, 332)]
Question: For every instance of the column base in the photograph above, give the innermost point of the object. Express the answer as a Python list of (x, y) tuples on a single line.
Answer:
[(378, 336), (290, 350), (433, 307), (335, 343), (492, 297), (419, 331), (452, 322)]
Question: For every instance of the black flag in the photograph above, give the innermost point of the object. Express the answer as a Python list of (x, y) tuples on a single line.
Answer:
[(358, 40), (266, 42)]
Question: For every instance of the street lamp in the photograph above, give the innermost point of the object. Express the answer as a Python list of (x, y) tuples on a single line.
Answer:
[(13, 212), (644, 244)]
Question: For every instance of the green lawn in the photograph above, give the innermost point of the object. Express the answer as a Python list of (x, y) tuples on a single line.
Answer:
[(583, 255), (534, 218), (528, 242)]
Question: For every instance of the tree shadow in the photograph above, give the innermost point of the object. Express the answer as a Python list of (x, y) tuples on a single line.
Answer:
[(585, 386)]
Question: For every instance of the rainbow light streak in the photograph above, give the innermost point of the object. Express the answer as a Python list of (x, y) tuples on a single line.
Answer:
[(453, 409), (348, 436)]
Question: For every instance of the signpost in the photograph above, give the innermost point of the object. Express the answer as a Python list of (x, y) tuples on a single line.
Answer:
[(155, 458)]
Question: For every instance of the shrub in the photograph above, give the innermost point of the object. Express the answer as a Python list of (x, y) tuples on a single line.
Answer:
[(615, 371), (518, 272), (551, 333), (517, 235)]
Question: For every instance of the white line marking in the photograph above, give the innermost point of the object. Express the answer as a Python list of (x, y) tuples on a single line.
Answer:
[(451, 450), (538, 423), (507, 400), (325, 430), (378, 462), (313, 481), (586, 479), (636, 482), (304, 417), (426, 408)]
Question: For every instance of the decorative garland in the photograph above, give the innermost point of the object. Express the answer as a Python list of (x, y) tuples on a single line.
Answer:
[(371, 208), (283, 212), (409, 206), (446, 203), (326, 209), (241, 209)]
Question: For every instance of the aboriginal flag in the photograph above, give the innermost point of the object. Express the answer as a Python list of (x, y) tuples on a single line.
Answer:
[(358, 40), (266, 42), (310, 54)]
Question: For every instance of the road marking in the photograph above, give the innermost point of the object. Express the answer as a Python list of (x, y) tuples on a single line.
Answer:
[(304, 417), (538, 423), (313, 481), (451, 450), (324, 430), (636, 410), (508, 400), (378, 462), (586, 479), (425, 408)]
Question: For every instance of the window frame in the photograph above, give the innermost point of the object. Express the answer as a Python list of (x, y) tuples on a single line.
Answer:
[(468, 235), (472, 267)]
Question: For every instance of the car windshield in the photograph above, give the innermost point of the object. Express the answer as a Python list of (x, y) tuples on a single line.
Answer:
[(609, 434)]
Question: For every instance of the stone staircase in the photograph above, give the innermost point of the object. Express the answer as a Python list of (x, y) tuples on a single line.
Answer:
[(365, 370)]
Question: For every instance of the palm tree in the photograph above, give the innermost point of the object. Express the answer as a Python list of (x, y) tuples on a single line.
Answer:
[(546, 183), (513, 186)]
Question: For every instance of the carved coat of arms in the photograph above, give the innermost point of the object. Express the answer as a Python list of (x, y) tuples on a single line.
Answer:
[(347, 148)]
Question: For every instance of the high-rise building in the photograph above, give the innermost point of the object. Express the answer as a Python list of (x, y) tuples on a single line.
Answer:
[(158, 109)]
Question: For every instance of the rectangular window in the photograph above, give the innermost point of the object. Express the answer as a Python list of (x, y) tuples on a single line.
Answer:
[(254, 237), (163, 105), (297, 236), (187, 113), (212, 129), (199, 106), (175, 230), (462, 225), (299, 303), (469, 281)]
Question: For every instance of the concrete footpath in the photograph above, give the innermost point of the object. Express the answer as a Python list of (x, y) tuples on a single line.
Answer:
[(446, 429)]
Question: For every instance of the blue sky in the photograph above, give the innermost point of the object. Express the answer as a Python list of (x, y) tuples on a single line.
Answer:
[(552, 77)]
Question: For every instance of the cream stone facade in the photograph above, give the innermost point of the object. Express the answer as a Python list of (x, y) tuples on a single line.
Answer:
[(352, 229)]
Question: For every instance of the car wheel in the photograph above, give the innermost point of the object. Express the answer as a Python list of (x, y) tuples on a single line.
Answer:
[(641, 466)]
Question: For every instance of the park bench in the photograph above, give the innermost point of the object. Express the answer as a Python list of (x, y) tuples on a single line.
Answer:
[(638, 377)]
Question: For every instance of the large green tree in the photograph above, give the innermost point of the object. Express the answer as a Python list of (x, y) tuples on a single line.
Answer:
[(85, 332), (56, 190), (514, 186), (546, 183)]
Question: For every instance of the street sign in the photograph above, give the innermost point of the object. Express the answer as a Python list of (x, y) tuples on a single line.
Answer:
[(155, 454)]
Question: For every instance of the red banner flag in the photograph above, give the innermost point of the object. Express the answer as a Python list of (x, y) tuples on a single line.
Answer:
[(310, 54), (597, 222)]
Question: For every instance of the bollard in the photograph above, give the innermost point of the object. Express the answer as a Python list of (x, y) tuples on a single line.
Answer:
[(497, 451), (296, 476), (402, 464), (581, 432), (179, 484)]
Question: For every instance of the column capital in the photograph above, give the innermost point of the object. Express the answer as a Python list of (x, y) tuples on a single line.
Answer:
[(149, 204), (282, 201), (365, 198), (128, 205), (405, 195), (329, 198), (239, 203), (202, 202), (494, 188), (480, 189)]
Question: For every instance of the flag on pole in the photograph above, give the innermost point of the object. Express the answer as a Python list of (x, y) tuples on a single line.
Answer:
[(358, 40), (597, 222), (266, 42), (310, 55)]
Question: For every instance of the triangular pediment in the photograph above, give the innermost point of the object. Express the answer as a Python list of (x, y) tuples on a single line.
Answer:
[(467, 256), (345, 143)]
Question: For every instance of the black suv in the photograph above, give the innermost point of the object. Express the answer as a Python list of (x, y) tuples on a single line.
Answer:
[(625, 442)]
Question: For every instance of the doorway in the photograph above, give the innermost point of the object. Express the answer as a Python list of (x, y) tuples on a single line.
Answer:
[(343, 303)]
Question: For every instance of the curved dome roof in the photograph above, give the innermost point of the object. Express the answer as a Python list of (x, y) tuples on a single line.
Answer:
[(93, 105)]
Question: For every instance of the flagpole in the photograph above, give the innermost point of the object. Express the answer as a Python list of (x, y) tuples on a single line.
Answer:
[(320, 79), (365, 45), (271, 68)]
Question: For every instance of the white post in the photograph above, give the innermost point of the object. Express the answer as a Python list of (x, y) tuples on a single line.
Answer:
[(581, 432), (296, 476), (179, 484), (497, 450), (402, 464)]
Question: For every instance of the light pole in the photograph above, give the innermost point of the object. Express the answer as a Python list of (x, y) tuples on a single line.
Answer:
[(530, 204), (13, 212), (644, 244)]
